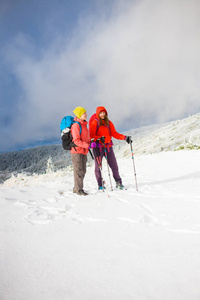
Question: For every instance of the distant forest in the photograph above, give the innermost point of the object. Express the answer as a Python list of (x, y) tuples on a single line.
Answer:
[(33, 160)]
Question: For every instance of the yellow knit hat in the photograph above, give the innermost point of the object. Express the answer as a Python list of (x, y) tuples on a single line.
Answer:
[(79, 111)]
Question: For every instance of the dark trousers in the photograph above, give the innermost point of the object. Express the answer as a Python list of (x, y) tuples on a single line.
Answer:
[(99, 153)]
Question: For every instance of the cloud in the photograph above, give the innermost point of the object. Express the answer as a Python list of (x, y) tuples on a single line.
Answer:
[(140, 59)]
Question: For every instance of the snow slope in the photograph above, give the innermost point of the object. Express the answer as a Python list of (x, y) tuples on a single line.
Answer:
[(114, 245), (173, 136)]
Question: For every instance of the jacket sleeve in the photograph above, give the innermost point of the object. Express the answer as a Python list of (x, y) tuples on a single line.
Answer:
[(75, 131), (115, 134), (93, 130)]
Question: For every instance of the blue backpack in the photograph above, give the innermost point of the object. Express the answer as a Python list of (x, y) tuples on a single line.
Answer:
[(66, 136)]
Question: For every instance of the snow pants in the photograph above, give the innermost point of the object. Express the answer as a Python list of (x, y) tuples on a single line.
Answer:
[(112, 162), (79, 166)]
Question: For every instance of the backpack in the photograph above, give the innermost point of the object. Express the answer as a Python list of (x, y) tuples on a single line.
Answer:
[(92, 118), (66, 136)]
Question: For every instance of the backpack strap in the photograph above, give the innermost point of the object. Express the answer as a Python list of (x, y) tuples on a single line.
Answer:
[(79, 125), (98, 125)]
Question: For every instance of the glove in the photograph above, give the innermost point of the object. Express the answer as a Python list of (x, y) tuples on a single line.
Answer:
[(128, 139), (102, 139)]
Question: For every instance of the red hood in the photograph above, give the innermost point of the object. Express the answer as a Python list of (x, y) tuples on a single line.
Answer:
[(99, 109)]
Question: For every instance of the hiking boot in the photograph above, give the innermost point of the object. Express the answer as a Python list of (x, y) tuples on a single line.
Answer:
[(101, 188), (80, 192), (120, 185)]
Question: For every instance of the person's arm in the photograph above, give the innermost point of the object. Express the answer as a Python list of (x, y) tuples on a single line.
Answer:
[(115, 134)]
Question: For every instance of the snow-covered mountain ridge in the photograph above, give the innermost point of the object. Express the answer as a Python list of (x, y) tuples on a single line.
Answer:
[(33, 160), (176, 135), (173, 136)]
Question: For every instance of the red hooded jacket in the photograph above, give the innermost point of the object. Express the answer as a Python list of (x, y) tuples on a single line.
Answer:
[(97, 131)]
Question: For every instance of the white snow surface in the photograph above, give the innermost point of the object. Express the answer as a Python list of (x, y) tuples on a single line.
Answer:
[(113, 245)]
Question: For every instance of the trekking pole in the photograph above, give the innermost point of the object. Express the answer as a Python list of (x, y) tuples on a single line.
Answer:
[(107, 162), (91, 154), (136, 186)]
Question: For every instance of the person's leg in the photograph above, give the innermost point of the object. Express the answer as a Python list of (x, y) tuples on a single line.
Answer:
[(98, 155), (84, 162), (112, 162), (79, 171)]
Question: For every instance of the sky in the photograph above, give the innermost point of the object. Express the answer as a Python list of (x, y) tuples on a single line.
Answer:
[(138, 58)]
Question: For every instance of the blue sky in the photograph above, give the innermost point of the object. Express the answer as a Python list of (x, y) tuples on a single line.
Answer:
[(139, 58)]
